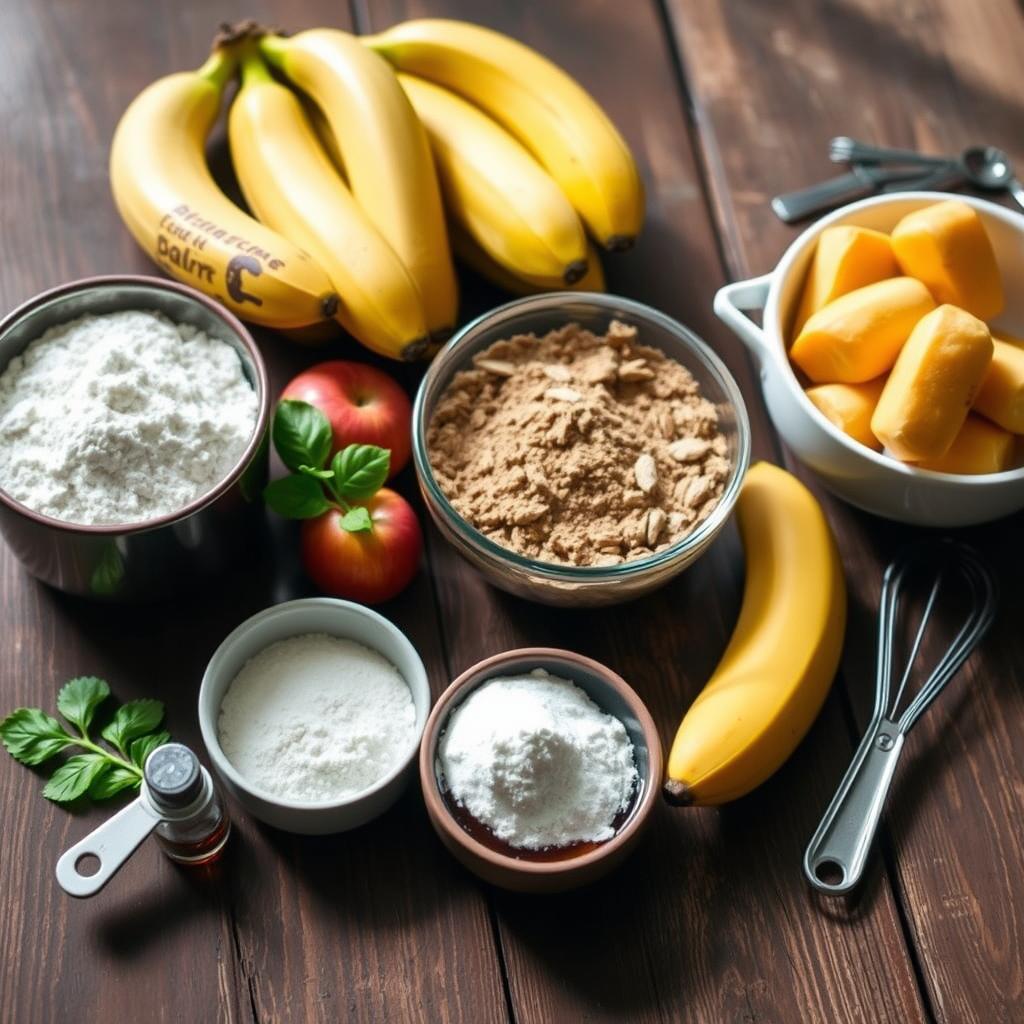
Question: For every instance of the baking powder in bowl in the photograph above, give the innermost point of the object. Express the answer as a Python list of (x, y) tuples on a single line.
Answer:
[(537, 762), (316, 718)]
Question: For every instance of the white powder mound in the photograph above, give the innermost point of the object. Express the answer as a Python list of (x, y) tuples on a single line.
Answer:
[(538, 762), (316, 718), (120, 418)]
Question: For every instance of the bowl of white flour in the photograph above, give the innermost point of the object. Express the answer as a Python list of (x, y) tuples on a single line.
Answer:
[(133, 437), (312, 713)]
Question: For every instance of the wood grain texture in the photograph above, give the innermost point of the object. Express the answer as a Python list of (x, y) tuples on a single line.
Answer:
[(768, 91)]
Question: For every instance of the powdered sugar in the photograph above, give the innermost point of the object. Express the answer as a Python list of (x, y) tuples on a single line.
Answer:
[(121, 418), (538, 762), (316, 718)]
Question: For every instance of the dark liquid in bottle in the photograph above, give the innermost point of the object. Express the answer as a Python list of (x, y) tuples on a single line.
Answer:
[(200, 851)]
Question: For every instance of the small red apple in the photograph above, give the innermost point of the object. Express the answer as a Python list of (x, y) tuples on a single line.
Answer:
[(363, 404)]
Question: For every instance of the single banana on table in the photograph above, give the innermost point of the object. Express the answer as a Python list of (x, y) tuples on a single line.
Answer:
[(496, 191), (291, 185), (385, 152), (168, 199), (541, 105), (778, 667)]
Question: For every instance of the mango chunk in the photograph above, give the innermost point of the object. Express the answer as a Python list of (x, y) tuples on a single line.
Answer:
[(925, 400), (945, 245), (980, 447), (1001, 395), (846, 258), (849, 407), (858, 336)]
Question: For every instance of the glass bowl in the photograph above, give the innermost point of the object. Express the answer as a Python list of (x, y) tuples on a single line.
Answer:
[(551, 582)]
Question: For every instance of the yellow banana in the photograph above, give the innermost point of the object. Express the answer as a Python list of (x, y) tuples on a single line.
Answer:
[(542, 106), (290, 184), (467, 251), (774, 676), (496, 190), (171, 204), (385, 152)]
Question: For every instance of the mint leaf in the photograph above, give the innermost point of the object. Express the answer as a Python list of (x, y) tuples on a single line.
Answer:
[(145, 745), (302, 434), (357, 520), (31, 736), (133, 719), (74, 777), (360, 471), (296, 497), (79, 698), (110, 782)]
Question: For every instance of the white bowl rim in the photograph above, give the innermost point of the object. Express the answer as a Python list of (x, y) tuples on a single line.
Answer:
[(777, 347), (208, 727)]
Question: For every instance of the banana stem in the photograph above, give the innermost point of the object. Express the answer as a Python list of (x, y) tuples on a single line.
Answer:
[(273, 49), (219, 67), (254, 68)]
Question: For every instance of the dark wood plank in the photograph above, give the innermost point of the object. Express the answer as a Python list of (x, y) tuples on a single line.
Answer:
[(711, 921), (769, 89), (373, 926)]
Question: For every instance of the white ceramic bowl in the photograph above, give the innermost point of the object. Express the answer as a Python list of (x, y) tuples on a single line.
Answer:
[(312, 615), (867, 479)]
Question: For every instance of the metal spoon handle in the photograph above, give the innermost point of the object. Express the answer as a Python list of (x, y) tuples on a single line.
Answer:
[(838, 850), (846, 150), (792, 206), (1016, 190)]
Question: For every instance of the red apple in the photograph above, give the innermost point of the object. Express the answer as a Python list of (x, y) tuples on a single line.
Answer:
[(368, 565), (364, 406)]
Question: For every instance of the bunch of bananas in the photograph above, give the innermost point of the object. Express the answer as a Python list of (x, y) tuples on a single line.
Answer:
[(344, 148)]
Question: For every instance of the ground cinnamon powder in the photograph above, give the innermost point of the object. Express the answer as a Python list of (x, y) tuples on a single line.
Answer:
[(578, 448)]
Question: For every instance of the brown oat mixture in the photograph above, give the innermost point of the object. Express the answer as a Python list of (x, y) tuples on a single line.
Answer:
[(578, 448)]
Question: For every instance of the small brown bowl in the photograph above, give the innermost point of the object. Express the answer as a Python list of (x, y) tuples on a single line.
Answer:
[(613, 695)]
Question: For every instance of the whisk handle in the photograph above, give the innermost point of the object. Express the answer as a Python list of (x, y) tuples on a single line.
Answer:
[(838, 850)]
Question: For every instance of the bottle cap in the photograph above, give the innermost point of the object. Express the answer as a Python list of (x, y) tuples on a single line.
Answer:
[(173, 775)]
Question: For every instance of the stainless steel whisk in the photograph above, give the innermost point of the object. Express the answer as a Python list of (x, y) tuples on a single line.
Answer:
[(837, 852)]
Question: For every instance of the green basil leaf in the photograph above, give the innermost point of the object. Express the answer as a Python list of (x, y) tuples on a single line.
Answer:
[(357, 520), (79, 698), (296, 497), (31, 736), (302, 434), (319, 474), (74, 777), (145, 745), (135, 718), (110, 782), (360, 471)]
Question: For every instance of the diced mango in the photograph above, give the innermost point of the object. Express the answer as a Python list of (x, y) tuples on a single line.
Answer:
[(980, 447), (846, 258), (858, 336), (849, 407), (1001, 395), (925, 400), (945, 245)]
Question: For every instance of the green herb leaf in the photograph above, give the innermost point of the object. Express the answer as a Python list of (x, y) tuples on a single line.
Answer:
[(319, 474), (360, 471), (296, 497), (74, 777), (133, 719), (357, 520), (79, 698), (31, 736), (145, 745), (111, 781), (302, 434)]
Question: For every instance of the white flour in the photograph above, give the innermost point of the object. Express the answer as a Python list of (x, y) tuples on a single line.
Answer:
[(316, 718), (120, 418), (538, 762)]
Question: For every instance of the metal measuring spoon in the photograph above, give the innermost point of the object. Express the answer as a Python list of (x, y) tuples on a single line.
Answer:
[(989, 167)]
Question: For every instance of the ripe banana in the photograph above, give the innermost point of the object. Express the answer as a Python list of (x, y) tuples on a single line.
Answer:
[(542, 106), (171, 204), (385, 152), (467, 251), (495, 189), (290, 184), (783, 655)]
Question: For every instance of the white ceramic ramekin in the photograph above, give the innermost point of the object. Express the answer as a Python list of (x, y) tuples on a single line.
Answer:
[(867, 479), (293, 618)]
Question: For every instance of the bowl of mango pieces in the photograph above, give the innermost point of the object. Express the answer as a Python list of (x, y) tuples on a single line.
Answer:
[(891, 354)]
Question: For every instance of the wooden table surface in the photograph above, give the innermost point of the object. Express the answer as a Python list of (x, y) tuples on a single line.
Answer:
[(725, 103)]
